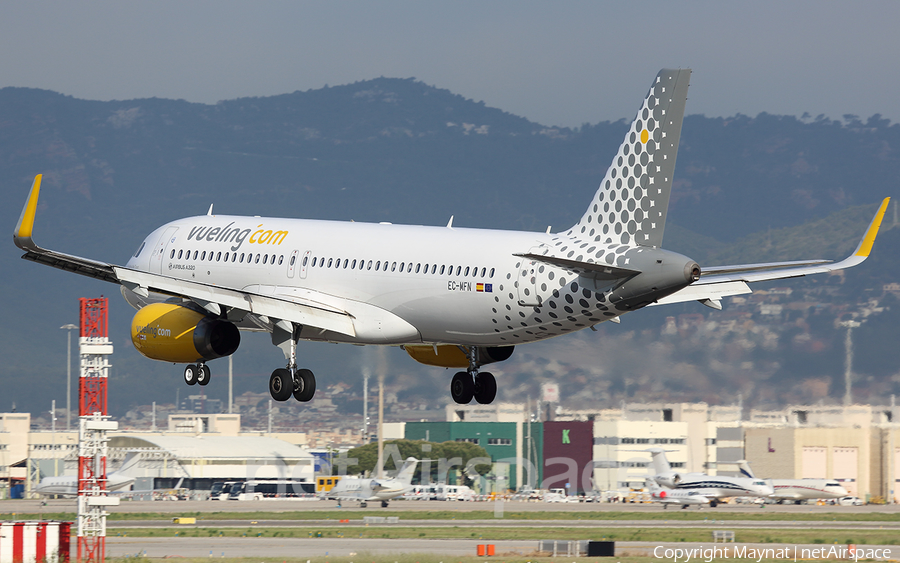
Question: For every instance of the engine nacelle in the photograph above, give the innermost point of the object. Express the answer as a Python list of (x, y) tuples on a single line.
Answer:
[(450, 356), (670, 479), (178, 334)]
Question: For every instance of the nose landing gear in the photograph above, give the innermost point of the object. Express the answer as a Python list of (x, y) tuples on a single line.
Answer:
[(469, 384)]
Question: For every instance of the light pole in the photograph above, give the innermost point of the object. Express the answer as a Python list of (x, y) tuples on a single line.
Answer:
[(69, 328)]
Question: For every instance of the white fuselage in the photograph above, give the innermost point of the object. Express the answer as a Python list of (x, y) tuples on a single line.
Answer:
[(798, 489), (368, 489), (67, 485), (722, 486), (402, 284)]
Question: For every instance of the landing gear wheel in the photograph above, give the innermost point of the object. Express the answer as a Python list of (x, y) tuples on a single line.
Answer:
[(203, 374), (485, 388), (384, 504), (713, 504), (462, 387), (304, 385), (191, 374), (363, 505), (281, 385)]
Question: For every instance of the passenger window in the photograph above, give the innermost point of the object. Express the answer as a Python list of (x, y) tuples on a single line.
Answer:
[(492, 272), (409, 268), (418, 267), (242, 258), (353, 264), (377, 265), (442, 270), (180, 254), (330, 262), (203, 256), (345, 263), (475, 272), (369, 267), (234, 257), (218, 257), (394, 267), (257, 259), (402, 264), (226, 257), (467, 271), (173, 254), (458, 269), (265, 258), (483, 271), (433, 268)]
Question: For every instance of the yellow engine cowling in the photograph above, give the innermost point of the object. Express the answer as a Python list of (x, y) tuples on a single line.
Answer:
[(178, 334), (450, 356)]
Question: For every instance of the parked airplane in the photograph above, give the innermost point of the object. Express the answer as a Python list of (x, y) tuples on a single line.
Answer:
[(370, 490), (67, 485), (684, 497), (452, 297), (799, 489), (715, 487)]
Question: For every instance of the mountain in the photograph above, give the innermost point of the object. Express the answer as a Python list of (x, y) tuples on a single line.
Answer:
[(746, 189)]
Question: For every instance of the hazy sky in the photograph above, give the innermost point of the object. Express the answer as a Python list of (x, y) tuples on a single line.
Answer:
[(557, 63)]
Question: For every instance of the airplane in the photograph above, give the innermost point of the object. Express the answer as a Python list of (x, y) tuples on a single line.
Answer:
[(451, 297), (715, 487), (67, 485), (371, 490), (799, 489), (684, 497)]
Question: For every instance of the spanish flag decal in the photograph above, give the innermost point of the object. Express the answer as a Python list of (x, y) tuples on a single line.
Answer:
[(484, 287)]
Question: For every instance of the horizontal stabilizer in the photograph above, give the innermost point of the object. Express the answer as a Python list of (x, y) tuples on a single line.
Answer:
[(587, 269)]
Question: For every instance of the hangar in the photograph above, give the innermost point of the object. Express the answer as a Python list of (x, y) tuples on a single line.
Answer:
[(200, 460)]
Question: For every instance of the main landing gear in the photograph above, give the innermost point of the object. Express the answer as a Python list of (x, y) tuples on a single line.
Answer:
[(284, 382), (199, 373), (471, 383)]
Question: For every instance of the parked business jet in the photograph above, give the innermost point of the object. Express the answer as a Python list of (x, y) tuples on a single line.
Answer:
[(67, 485), (452, 297), (684, 497), (715, 487), (371, 490), (799, 489)]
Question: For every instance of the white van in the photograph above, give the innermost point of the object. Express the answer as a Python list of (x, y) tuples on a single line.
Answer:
[(455, 492)]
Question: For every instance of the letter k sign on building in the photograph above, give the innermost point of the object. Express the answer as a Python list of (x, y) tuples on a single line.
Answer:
[(565, 436)]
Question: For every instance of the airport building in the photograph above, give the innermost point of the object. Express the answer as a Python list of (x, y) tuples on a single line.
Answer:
[(858, 445)]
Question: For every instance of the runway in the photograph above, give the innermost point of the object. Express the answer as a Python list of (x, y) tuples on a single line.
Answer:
[(300, 547)]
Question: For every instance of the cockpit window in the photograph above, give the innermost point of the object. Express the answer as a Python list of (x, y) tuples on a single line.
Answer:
[(140, 248)]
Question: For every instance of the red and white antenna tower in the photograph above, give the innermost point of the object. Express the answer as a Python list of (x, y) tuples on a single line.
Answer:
[(93, 423)]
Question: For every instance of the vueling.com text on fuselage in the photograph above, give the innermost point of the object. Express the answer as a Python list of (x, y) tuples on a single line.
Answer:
[(237, 235)]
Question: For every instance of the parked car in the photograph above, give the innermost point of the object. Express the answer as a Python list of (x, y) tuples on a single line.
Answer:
[(850, 501)]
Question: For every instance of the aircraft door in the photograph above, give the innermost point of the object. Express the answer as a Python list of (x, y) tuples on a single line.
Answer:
[(292, 264), (527, 282), (304, 264), (159, 253)]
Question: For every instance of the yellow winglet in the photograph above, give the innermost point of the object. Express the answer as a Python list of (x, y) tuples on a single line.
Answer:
[(865, 245), (22, 234)]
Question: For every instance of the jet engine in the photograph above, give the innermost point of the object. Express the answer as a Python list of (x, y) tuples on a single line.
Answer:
[(450, 356), (174, 333), (670, 480)]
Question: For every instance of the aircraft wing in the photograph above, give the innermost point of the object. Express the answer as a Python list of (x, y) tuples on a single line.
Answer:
[(211, 297), (721, 281)]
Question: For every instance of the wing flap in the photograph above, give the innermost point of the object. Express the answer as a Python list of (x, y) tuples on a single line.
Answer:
[(302, 314)]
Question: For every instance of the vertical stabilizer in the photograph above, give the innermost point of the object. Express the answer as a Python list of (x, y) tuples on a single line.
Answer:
[(406, 472), (744, 466), (660, 461), (631, 204)]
